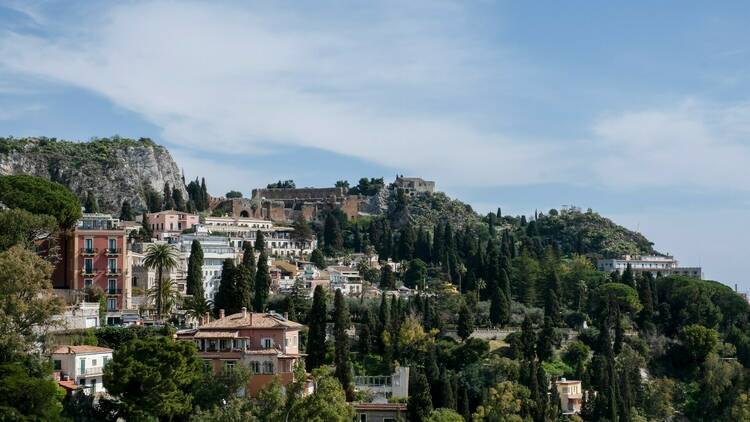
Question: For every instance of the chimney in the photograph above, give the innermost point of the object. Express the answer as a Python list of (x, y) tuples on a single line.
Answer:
[(221, 313), (244, 312), (207, 318), (286, 315)]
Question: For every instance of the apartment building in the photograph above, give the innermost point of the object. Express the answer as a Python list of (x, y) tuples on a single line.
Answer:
[(346, 279), (664, 265), (171, 223), (384, 387), (280, 241), (82, 365), (99, 249), (267, 343), (216, 249)]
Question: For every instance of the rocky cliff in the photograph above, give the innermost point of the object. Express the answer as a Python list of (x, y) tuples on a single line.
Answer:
[(114, 169)]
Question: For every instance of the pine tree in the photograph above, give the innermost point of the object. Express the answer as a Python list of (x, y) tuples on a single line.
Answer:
[(332, 235), (465, 322), (90, 204), (262, 283), (260, 241), (342, 361), (225, 294), (420, 402), (126, 213), (316, 337), (168, 203), (194, 281)]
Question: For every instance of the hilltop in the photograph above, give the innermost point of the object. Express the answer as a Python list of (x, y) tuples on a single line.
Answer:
[(113, 169)]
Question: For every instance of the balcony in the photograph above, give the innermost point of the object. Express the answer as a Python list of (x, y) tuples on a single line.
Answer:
[(113, 251), (89, 251), (88, 272), (114, 291), (114, 271), (92, 371)]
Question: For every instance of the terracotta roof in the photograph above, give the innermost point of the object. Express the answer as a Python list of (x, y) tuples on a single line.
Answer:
[(81, 349), (68, 385), (286, 266), (216, 334), (379, 406), (251, 320)]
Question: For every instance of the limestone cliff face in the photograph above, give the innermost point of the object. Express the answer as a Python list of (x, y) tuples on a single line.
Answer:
[(113, 169)]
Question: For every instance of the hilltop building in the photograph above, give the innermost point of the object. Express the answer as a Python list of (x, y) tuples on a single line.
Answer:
[(414, 185), (664, 265)]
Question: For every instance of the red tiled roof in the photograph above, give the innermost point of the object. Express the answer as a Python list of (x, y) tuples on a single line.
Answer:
[(68, 385), (81, 349), (251, 320)]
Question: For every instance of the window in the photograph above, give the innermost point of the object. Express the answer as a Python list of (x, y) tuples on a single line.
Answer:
[(268, 367), (112, 286), (229, 365), (88, 282), (362, 417), (112, 265), (105, 361), (83, 366), (57, 365), (111, 304), (88, 265), (255, 366), (93, 362), (112, 245), (207, 365), (88, 244), (267, 343)]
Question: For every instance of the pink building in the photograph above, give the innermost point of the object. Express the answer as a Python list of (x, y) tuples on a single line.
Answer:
[(99, 260), (267, 343), (171, 223)]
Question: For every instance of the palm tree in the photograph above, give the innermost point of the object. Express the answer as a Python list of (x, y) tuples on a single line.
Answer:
[(481, 284), (162, 256), (165, 295), (197, 307)]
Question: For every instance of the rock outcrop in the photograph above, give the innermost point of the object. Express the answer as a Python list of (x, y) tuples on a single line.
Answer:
[(114, 169)]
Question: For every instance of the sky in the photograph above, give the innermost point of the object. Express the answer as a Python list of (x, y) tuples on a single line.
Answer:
[(638, 110)]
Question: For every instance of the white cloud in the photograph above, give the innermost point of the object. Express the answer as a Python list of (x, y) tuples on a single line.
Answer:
[(376, 82), (245, 81), (694, 145)]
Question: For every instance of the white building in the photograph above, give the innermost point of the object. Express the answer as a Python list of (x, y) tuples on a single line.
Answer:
[(77, 317), (655, 264), (280, 241), (571, 395), (83, 365), (216, 249), (346, 279), (383, 387)]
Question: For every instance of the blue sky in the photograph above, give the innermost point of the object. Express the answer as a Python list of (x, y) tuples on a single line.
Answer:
[(638, 110)]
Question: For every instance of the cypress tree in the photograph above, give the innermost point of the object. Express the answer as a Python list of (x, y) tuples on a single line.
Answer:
[(546, 339), (528, 339), (419, 405), (432, 373), (499, 308), (168, 203), (552, 308), (248, 256), (243, 285), (332, 236), (423, 247), (341, 323), (464, 407), (627, 277), (126, 213), (204, 195), (262, 283), (194, 281), (384, 322), (446, 398), (260, 241), (179, 201), (365, 335), (465, 322), (146, 232), (646, 298), (90, 204), (406, 243), (387, 278), (316, 337), (317, 258), (224, 296)]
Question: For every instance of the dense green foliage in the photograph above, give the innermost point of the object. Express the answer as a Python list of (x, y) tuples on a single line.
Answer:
[(39, 196)]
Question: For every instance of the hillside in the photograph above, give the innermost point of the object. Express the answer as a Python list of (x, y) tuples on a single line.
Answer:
[(114, 169)]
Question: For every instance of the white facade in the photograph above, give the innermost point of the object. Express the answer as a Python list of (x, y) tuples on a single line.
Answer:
[(346, 279), (279, 240), (385, 386), (82, 364), (655, 264), (76, 317), (571, 396), (215, 250)]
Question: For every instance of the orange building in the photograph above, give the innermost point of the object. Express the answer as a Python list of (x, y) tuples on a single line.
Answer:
[(266, 343)]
